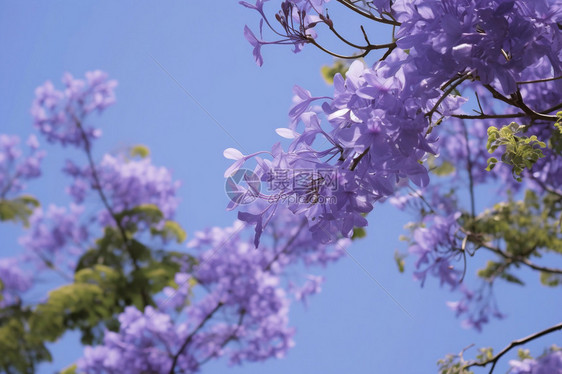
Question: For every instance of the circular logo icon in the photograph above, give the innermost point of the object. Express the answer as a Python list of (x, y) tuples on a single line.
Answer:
[(242, 187)]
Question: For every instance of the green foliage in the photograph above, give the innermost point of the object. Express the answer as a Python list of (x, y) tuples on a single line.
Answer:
[(399, 259), (498, 269), (441, 169), (558, 123), (485, 354), (84, 304), (20, 349), (555, 141), (72, 369), (453, 364), (328, 72), (550, 280), (148, 214), (170, 230), (154, 270), (18, 209), (524, 225), (526, 229), (520, 152), (523, 354), (139, 150), (359, 233)]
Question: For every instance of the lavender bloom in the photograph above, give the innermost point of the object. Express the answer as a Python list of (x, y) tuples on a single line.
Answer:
[(312, 286), (16, 168), (58, 114), (435, 244), (297, 19), (244, 300), (127, 183), (376, 140), (478, 307), (549, 363), (14, 282), (56, 236)]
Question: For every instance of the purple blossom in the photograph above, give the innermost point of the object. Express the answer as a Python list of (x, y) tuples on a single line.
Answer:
[(58, 115), (15, 168), (13, 282), (312, 286), (127, 183), (375, 141), (295, 24), (477, 307), (55, 236), (549, 363), (435, 244), (242, 299)]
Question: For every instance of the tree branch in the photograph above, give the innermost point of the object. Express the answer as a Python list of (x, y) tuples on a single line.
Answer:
[(228, 339), (87, 147), (513, 344), (368, 15), (190, 336), (488, 116), (540, 80), (518, 259), (516, 100), (451, 88)]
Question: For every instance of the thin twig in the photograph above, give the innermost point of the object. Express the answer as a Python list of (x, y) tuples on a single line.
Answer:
[(190, 336), (512, 345), (488, 116), (540, 80), (367, 14), (451, 88), (518, 259), (97, 186)]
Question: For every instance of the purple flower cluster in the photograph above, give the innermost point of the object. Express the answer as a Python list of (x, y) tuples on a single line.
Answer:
[(58, 114), (127, 183), (13, 169), (13, 282), (550, 363), (296, 19), (492, 41), (375, 144), (387, 119), (56, 236), (477, 307), (236, 293), (435, 244)]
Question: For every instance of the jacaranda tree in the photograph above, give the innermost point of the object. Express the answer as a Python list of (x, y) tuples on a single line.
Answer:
[(465, 95)]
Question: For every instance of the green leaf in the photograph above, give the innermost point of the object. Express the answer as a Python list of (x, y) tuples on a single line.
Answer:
[(511, 278), (171, 230), (523, 354), (20, 349), (329, 72), (148, 213), (550, 280), (84, 304), (399, 258), (18, 209), (72, 369), (519, 152), (358, 233), (139, 150)]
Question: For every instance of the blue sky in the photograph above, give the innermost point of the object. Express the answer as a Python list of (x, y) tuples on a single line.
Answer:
[(352, 326)]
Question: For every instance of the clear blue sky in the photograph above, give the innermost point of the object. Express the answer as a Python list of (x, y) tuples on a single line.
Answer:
[(352, 326)]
